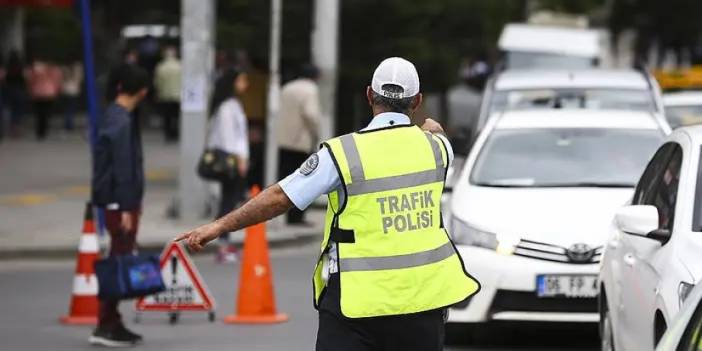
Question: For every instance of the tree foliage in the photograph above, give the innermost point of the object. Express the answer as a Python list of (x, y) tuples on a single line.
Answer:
[(669, 25)]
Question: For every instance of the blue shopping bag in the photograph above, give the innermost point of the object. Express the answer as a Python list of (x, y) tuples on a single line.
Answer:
[(128, 276)]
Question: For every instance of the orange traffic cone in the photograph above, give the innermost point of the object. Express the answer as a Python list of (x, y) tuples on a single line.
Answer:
[(256, 303), (84, 302)]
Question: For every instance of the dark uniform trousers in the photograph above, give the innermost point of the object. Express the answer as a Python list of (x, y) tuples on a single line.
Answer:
[(419, 331)]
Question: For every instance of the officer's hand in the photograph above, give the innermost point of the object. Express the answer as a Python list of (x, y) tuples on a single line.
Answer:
[(196, 239), (432, 126)]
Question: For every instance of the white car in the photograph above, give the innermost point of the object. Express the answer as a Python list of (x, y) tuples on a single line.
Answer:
[(685, 334), (530, 210), (591, 89), (652, 258), (683, 108), (538, 46)]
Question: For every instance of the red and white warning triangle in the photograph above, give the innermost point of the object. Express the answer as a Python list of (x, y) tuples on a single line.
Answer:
[(185, 289)]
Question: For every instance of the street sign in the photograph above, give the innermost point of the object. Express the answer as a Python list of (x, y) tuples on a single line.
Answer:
[(185, 289)]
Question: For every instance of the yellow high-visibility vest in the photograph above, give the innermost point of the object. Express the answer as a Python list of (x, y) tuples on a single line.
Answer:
[(394, 255)]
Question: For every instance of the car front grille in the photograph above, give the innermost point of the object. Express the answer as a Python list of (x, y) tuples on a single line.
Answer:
[(555, 253), (527, 301)]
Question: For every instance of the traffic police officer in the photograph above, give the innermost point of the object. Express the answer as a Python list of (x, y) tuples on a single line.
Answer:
[(387, 269)]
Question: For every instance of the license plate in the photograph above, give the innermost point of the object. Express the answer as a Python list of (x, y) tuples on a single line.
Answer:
[(566, 285)]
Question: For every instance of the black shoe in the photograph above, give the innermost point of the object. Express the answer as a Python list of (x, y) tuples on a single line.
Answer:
[(113, 337), (134, 336)]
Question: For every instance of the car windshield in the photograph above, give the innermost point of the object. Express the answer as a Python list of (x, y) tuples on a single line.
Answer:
[(680, 116), (591, 99), (520, 59), (564, 157)]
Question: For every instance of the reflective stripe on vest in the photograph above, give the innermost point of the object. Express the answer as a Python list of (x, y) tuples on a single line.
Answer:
[(397, 262), (396, 182), (353, 157), (360, 185), (437, 151)]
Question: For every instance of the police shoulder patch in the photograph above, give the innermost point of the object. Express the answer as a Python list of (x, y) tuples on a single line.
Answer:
[(309, 165)]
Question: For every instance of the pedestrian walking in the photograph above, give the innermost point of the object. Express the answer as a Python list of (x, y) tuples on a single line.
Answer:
[(15, 92), (70, 92), (44, 84), (130, 57), (167, 84), (387, 269), (229, 133), (298, 126), (118, 188)]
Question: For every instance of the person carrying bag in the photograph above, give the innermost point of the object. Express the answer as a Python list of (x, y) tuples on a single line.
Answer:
[(128, 276), (226, 155)]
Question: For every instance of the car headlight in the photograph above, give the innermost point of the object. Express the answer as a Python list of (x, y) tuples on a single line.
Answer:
[(465, 234), (684, 290)]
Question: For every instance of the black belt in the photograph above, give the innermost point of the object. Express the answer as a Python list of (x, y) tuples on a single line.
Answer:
[(342, 235)]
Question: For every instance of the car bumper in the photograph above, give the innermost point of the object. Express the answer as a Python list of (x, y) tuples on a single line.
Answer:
[(509, 290)]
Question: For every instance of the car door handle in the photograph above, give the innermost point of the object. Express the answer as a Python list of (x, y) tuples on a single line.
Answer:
[(629, 259)]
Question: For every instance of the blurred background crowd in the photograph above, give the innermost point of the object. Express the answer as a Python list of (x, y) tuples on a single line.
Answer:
[(452, 42)]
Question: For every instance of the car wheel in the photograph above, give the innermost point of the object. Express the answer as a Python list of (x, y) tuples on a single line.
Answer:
[(607, 334)]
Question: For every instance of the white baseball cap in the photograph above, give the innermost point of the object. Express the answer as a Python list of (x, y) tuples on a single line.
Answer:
[(396, 71)]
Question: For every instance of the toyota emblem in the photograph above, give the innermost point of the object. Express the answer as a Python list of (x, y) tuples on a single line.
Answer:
[(580, 253)]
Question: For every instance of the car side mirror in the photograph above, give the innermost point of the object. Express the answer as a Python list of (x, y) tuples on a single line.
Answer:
[(662, 235), (637, 219), (641, 220)]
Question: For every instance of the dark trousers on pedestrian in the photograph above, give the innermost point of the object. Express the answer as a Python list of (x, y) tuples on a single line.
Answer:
[(15, 99), (233, 192), (121, 243), (70, 107), (289, 161), (170, 111), (422, 331), (42, 112)]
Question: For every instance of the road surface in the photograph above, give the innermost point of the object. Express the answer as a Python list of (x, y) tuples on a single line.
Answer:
[(36, 292)]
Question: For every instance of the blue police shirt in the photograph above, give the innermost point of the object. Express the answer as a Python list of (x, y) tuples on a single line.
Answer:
[(311, 181)]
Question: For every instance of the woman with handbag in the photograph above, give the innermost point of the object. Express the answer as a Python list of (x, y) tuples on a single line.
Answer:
[(228, 140)]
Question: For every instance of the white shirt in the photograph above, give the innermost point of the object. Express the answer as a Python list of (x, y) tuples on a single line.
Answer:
[(167, 80), (303, 189), (297, 127), (229, 129)]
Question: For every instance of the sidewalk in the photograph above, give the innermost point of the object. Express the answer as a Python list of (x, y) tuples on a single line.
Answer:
[(44, 187)]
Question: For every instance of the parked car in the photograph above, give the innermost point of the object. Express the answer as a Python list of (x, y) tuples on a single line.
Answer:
[(685, 334), (683, 108), (652, 258), (590, 89), (530, 209)]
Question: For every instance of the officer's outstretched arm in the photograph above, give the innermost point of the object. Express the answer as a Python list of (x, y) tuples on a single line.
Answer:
[(268, 204)]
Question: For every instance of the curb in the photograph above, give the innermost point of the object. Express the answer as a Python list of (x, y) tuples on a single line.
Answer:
[(294, 240)]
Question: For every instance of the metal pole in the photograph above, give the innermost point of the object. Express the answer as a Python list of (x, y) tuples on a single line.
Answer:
[(273, 102), (197, 38), (90, 87), (13, 36), (325, 37)]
